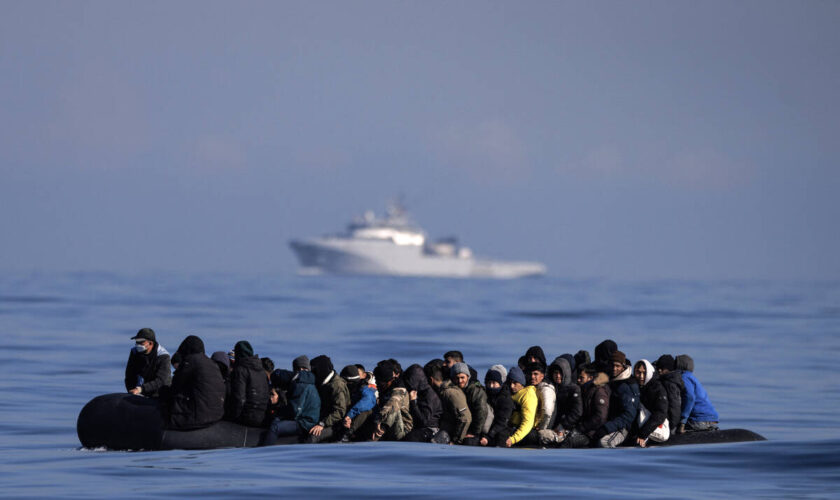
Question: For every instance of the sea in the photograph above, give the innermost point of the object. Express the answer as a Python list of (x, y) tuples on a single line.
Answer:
[(767, 352)]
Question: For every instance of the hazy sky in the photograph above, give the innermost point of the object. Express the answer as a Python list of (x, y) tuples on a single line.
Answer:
[(668, 139)]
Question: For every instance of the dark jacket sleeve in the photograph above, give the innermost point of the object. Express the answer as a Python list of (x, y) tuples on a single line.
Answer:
[(674, 404), (339, 401), (238, 392), (426, 410), (478, 408), (162, 377), (569, 415), (629, 409), (599, 410), (658, 408), (502, 411)]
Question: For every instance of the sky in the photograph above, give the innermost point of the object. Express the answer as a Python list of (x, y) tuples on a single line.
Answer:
[(624, 140)]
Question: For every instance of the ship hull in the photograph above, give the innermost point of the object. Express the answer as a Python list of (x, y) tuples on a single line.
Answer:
[(380, 257)]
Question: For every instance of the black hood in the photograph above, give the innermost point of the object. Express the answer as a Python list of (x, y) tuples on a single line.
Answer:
[(415, 378), (321, 367), (191, 345), (561, 364), (603, 355), (536, 352)]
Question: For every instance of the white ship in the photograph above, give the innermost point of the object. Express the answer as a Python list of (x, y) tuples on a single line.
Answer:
[(394, 246)]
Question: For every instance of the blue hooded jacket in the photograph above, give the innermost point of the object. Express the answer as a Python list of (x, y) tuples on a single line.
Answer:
[(304, 402), (695, 401)]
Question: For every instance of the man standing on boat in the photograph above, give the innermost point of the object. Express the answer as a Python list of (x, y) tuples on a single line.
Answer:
[(148, 368)]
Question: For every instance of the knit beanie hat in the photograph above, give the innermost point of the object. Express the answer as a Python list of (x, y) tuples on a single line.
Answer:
[(459, 368), (496, 373), (666, 362), (300, 362), (350, 372), (243, 349), (515, 374)]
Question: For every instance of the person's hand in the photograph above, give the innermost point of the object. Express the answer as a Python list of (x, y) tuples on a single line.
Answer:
[(412, 395), (136, 390), (508, 443), (483, 441), (316, 430), (641, 442), (347, 422), (469, 436)]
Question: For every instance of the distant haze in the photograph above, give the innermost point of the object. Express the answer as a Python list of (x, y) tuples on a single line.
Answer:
[(626, 140)]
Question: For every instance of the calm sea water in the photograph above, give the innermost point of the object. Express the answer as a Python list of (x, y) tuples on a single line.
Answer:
[(767, 352)]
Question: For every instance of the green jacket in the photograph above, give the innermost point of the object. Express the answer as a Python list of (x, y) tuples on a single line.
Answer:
[(456, 417), (477, 401), (335, 400)]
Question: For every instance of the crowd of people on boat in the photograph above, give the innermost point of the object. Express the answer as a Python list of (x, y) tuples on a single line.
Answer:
[(574, 401)]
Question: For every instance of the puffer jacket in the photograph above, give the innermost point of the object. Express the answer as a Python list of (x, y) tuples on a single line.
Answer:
[(569, 406), (674, 387), (249, 392), (197, 397), (624, 402), (304, 403), (524, 415), (503, 407), (655, 399), (596, 405)]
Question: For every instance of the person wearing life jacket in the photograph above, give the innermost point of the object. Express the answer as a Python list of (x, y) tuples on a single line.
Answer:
[(456, 417), (500, 400), (653, 397), (595, 395), (362, 402), (546, 393), (424, 405), (148, 367), (526, 404), (197, 395), (672, 381), (302, 410), (462, 376), (569, 405), (697, 413), (249, 395), (624, 403), (335, 401)]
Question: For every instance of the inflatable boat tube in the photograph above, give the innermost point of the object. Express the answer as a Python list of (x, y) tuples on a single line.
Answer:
[(127, 422)]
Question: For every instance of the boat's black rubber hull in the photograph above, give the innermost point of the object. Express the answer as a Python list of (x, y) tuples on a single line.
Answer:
[(126, 422)]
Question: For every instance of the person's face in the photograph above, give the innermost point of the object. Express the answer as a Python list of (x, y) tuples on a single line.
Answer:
[(516, 387), (532, 359), (461, 380), (557, 377), (362, 374), (494, 385), (535, 377), (640, 373), (448, 362), (617, 369), (663, 371), (583, 378), (146, 344)]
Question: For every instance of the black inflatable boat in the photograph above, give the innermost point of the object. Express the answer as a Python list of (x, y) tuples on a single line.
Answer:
[(127, 422)]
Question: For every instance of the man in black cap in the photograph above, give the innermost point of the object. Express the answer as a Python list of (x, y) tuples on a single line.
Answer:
[(147, 369)]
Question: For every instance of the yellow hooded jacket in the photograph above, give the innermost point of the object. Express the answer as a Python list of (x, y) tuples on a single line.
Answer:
[(527, 403)]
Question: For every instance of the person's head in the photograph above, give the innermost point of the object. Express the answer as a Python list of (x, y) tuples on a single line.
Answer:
[(516, 379), (321, 366), (535, 373), (397, 367), (144, 341), (267, 365), (243, 350), (384, 374), (362, 372), (585, 375), (176, 360), (560, 371), (460, 374), (535, 354), (643, 371), (495, 377), (221, 359), (522, 363), (665, 364), (684, 362), (603, 355), (350, 374), (434, 372), (452, 357), (191, 345), (300, 363), (619, 363)]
